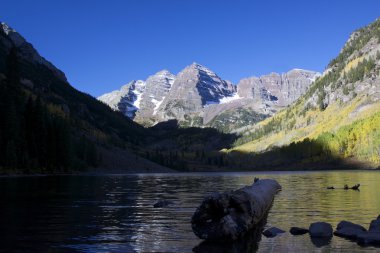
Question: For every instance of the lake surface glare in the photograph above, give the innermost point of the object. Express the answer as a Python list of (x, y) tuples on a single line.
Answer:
[(114, 213)]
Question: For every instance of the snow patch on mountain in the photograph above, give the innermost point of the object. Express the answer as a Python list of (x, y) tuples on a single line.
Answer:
[(157, 104), (229, 99), (127, 99)]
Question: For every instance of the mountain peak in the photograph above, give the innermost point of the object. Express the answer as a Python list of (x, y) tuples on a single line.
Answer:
[(6, 28), (200, 68), (196, 65), (164, 73)]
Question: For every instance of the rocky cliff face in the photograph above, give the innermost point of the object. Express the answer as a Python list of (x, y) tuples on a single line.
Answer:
[(280, 89), (199, 97)]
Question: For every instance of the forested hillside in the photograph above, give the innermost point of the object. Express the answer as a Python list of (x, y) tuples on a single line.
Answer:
[(47, 125), (337, 119)]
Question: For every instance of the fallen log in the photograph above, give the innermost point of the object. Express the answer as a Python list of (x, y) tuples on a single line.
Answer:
[(230, 215)]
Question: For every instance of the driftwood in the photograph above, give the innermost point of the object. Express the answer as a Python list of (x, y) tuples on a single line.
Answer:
[(230, 215)]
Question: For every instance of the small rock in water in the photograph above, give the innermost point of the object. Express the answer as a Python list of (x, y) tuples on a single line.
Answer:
[(298, 231), (349, 230), (349, 233), (272, 232), (355, 187), (321, 229), (162, 203), (348, 224), (331, 188)]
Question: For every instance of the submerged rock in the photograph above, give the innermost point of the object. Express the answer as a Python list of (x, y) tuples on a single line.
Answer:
[(162, 203), (272, 232), (369, 238), (298, 231), (320, 241), (321, 229)]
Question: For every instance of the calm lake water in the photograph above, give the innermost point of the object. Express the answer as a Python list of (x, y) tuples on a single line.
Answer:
[(114, 213)]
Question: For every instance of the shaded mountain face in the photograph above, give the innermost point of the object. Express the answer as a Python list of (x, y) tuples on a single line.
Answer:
[(199, 97), (25, 50), (48, 126)]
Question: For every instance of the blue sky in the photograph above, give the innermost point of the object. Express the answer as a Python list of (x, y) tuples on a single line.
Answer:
[(101, 45)]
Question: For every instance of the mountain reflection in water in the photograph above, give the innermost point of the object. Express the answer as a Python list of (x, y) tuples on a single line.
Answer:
[(114, 213)]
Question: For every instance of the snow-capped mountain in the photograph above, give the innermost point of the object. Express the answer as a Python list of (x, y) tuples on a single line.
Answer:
[(199, 97), (194, 88)]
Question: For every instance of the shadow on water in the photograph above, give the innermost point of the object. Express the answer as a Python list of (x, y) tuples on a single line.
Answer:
[(319, 242), (248, 243)]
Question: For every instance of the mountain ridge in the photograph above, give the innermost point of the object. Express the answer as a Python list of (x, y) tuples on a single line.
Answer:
[(196, 106)]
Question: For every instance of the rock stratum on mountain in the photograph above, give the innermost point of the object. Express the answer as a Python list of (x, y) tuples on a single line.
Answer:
[(199, 97)]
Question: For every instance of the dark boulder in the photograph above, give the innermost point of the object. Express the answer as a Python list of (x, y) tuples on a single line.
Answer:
[(298, 231), (272, 232), (321, 229)]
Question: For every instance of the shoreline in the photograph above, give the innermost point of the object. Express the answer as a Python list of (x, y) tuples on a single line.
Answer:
[(108, 173)]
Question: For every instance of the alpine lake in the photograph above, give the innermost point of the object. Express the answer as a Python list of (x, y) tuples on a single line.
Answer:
[(115, 213)]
